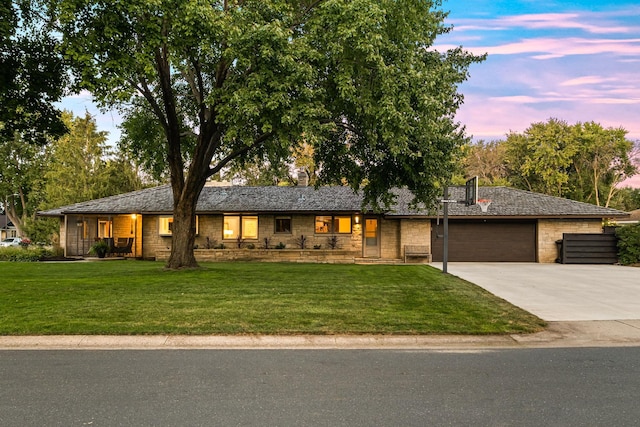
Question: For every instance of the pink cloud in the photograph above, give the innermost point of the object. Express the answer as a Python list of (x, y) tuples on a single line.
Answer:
[(559, 21), (547, 47)]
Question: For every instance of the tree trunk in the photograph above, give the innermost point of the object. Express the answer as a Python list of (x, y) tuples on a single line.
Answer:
[(184, 233), (15, 219)]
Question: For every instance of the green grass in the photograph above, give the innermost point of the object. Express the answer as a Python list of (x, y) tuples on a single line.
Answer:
[(129, 297)]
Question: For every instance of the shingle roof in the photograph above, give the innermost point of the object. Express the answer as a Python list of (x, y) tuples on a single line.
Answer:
[(506, 202), (511, 202)]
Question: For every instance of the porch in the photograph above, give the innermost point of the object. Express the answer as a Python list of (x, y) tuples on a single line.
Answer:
[(120, 232)]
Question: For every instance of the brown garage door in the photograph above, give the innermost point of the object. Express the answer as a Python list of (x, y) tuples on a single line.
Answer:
[(486, 241)]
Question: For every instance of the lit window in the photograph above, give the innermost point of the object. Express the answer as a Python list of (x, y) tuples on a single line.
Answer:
[(323, 224), (236, 225), (283, 224), (165, 227), (104, 228), (342, 225), (231, 227), (333, 224)]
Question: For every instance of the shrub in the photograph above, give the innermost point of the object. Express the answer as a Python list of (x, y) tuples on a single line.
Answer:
[(333, 242), (281, 246), (301, 242), (628, 244), (266, 243), (99, 248), (210, 243), (21, 255)]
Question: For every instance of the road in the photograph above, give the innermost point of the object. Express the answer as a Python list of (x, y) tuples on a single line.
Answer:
[(483, 387)]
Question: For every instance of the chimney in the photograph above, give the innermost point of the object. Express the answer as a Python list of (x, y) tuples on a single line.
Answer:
[(303, 178)]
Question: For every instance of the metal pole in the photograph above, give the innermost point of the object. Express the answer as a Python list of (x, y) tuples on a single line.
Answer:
[(445, 244)]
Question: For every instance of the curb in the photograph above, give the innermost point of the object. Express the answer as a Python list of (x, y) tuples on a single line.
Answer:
[(617, 333)]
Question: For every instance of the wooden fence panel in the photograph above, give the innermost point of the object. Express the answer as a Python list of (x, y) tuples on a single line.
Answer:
[(589, 248)]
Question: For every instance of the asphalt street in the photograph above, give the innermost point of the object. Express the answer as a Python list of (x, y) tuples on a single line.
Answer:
[(526, 387)]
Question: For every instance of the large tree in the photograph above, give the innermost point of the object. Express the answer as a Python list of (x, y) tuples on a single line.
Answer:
[(80, 165), (32, 75), (604, 159), (32, 78), (240, 80), (487, 161), (21, 180), (584, 161)]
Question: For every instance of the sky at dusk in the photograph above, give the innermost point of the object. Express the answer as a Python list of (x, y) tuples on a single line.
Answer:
[(577, 61)]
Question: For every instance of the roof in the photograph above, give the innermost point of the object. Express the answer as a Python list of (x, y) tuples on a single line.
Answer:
[(512, 202), (506, 202), (634, 215), (5, 223)]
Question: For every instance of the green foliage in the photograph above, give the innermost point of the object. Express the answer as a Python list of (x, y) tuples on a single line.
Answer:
[(487, 161), (76, 170), (21, 182), (604, 159), (627, 199), (19, 254), (249, 82), (43, 230), (99, 248), (584, 162), (628, 244), (80, 168), (32, 75), (540, 159)]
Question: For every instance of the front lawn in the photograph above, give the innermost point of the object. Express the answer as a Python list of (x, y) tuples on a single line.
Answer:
[(136, 297)]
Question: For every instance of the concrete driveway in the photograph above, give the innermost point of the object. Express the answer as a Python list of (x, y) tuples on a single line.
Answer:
[(559, 292)]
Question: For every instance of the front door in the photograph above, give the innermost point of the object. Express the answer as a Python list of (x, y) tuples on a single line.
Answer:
[(371, 238)]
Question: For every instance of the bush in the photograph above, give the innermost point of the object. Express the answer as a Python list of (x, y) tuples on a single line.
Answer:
[(628, 244), (24, 255), (333, 242), (99, 248)]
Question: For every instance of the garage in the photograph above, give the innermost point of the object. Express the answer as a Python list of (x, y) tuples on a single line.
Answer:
[(486, 240)]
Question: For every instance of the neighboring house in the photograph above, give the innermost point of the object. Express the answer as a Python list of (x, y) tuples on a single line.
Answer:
[(634, 218), (7, 229), (518, 225)]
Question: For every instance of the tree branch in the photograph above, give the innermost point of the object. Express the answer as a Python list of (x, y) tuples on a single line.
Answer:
[(239, 152)]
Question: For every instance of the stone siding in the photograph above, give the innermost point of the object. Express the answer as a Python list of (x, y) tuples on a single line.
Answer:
[(210, 235), (271, 255), (415, 232), (389, 239), (551, 230)]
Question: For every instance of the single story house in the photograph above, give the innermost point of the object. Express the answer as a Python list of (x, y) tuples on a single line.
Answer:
[(328, 224)]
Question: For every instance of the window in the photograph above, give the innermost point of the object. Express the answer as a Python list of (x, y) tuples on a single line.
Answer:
[(240, 225), (104, 228), (333, 224), (165, 226), (283, 224)]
